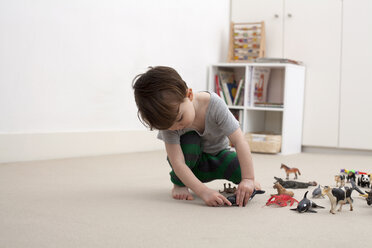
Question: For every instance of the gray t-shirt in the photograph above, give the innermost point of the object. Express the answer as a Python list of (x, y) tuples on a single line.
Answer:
[(219, 123)]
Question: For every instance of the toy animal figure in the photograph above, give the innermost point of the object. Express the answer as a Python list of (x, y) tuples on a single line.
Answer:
[(281, 200), (338, 196), (340, 179), (350, 176), (290, 170), (353, 184), (282, 190), (317, 192), (294, 184), (369, 198), (232, 198), (364, 181), (305, 205), (228, 190)]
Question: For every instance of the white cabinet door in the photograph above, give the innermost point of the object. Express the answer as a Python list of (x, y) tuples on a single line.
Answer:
[(312, 34), (269, 11), (356, 79)]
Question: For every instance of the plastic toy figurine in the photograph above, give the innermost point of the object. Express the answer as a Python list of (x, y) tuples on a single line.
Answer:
[(369, 198), (353, 184), (290, 170), (282, 190), (281, 200), (228, 190), (338, 196), (351, 174), (232, 198), (294, 184), (364, 181), (340, 179), (305, 205), (317, 192)]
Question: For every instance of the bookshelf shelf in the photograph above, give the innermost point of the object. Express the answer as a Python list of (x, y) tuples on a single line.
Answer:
[(236, 107), (254, 108), (280, 108), (265, 109)]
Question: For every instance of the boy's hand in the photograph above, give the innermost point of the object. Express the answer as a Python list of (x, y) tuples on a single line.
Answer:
[(244, 191), (213, 198)]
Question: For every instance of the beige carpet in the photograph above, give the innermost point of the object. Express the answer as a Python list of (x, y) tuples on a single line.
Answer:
[(124, 201)]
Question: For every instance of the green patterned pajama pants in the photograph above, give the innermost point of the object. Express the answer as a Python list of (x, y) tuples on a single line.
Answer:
[(207, 167)]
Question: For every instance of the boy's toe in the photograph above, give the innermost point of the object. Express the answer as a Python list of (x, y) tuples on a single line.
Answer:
[(190, 198)]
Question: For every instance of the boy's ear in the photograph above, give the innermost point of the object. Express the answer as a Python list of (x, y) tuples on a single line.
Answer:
[(190, 94)]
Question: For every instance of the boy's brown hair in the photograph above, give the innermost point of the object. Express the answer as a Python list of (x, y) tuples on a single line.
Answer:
[(158, 94)]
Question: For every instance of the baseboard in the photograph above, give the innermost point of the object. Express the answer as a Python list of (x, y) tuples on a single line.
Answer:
[(44, 146), (335, 150)]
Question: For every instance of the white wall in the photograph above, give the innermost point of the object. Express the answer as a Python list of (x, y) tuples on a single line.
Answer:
[(67, 66)]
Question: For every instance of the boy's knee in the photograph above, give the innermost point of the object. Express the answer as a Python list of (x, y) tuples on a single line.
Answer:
[(191, 148)]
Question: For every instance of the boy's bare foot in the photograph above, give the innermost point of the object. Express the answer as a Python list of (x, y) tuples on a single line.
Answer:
[(181, 193)]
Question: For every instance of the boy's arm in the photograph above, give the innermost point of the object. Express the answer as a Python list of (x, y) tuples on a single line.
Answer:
[(183, 172), (246, 186)]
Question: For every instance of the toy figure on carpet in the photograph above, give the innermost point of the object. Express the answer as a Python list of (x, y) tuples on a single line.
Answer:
[(228, 190), (369, 198), (232, 198), (290, 170), (352, 173), (281, 200), (340, 179), (353, 184), (317, 192), (282, 190), (338, 196), (305, 205), (294, 184), (364, 181)]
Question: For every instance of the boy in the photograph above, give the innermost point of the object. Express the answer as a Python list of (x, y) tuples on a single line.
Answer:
[(194, 128)]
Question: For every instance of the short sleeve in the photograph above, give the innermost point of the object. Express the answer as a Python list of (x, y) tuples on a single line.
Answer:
[(169, 137), (224, 118)]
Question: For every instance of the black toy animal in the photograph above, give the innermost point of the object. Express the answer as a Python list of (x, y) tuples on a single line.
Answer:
[(232, 198), (350, 176), (369, 198), (305, 205), (294, 184), (364, 181)]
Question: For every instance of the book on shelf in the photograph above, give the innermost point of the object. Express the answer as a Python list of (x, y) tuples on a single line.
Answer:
[(238, 100), (227, 84), (217, 87), (260, 80)]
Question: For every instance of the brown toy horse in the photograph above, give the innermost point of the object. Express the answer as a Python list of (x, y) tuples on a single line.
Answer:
[(290, 170), (282, 190)]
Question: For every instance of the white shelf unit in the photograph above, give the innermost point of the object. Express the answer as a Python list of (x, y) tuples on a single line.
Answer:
[(286, 84)]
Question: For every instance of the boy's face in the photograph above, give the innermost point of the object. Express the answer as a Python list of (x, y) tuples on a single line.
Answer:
[(186, 113)]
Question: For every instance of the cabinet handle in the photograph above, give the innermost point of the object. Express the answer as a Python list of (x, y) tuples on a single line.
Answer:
[(276, 16), (289, 15)]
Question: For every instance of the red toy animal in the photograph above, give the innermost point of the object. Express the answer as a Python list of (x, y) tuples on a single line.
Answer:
[(281, 200)]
